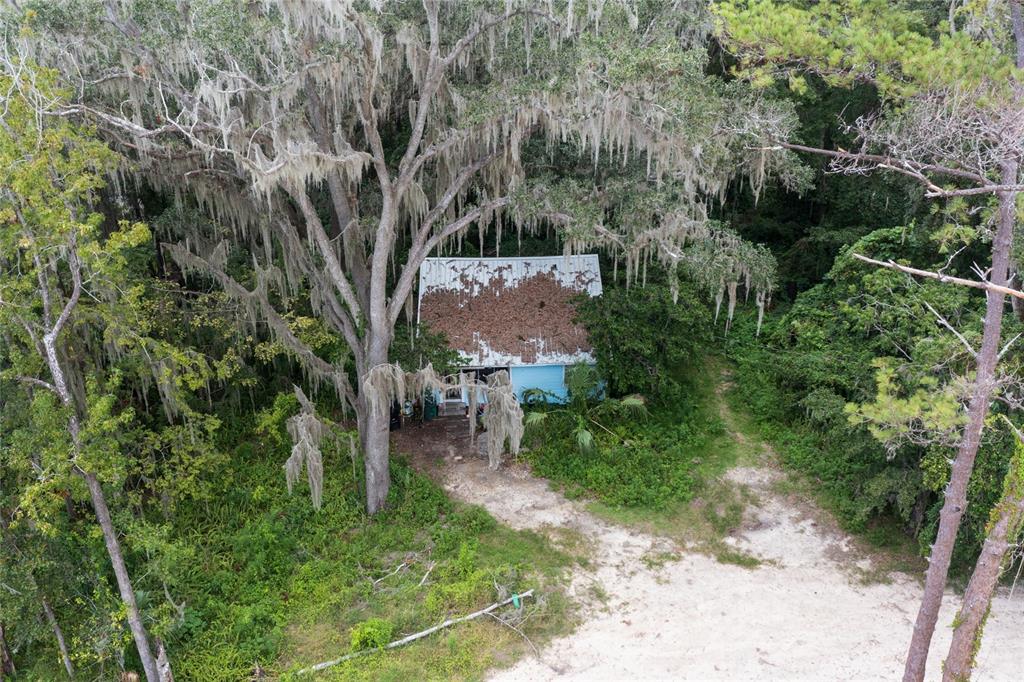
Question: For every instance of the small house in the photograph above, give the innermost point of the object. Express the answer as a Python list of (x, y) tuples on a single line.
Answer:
[(516, 314)]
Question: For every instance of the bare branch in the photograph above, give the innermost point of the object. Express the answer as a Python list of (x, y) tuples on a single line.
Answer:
[(972, 191), (974, 284), (945, 323), (1009, 344), (912, 168), (38, 382)]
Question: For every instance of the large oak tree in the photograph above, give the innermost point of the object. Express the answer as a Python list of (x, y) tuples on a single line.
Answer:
[(341, 143)]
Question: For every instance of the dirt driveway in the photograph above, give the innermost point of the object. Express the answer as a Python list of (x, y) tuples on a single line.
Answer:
[(655, 611)]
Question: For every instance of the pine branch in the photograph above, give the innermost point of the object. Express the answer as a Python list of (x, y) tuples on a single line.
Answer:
[(914, 169)]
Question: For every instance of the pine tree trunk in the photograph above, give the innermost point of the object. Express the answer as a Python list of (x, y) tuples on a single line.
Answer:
[(124, 583), (59, 635), (1006, 523), (981, 395)]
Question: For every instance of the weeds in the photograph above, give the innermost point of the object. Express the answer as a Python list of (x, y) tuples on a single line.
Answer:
[(280, 585)]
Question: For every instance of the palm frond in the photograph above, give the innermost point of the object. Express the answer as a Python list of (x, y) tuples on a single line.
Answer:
[(633, 405), (534, 418), (584, 439)]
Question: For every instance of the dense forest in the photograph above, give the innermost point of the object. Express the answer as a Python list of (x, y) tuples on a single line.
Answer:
[(213, 218)]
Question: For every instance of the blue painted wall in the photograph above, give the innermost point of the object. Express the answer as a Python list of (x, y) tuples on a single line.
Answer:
[(549, 378), (545, 377)]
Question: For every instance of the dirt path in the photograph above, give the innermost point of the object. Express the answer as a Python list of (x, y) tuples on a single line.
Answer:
[(654, 611)]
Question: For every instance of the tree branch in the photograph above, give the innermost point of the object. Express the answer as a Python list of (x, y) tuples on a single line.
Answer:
[(39, 382), (471, 37), (313, 363), (1006, 348), (419, 635), (912, 168), (337, 273), (416, 259), (76, 289), (945, 323), (435, 71), (949, 279), (971, 191)]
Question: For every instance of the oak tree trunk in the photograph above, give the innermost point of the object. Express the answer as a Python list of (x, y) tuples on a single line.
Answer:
[(981, 395), (374, 435)]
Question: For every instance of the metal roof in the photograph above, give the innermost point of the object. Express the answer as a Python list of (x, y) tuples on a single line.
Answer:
[(498, 277)]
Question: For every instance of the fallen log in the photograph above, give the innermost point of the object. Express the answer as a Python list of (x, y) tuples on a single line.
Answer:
[(419, 635)]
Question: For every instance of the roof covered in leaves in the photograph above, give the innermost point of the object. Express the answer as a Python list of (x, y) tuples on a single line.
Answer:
[(510, 311)]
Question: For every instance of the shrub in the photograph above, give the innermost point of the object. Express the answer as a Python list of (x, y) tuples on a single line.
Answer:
[(374, 633), (643, 464), (641, 337)]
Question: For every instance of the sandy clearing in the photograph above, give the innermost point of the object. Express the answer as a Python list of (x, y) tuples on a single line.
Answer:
[(801, 616)]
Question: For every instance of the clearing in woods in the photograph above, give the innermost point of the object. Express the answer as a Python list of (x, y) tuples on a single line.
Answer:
[(810, 604)]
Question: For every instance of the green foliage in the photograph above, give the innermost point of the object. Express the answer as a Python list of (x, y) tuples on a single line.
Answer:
[(374, 633), (272, 582), (863, 344), (77, 280), (848, 41), (931, 413), (585, 409), (617, 452), (644, 465), (415, 348), (641, 336)]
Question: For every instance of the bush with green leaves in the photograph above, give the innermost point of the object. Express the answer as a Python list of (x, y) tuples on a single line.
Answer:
[(642, 337), (615, 450), (374, 633)]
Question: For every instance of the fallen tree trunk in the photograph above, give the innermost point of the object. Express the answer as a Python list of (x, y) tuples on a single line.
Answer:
[(416, 636)]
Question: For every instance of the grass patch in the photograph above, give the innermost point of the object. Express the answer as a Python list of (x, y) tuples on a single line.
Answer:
[(655, 560), (572, 542), (280, 585), (715, 506), (731, 555)]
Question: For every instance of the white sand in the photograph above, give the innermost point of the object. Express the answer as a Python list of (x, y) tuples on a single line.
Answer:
[(801, 616)]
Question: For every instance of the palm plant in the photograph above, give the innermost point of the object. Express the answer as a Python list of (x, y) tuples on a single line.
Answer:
[(584, 411)]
